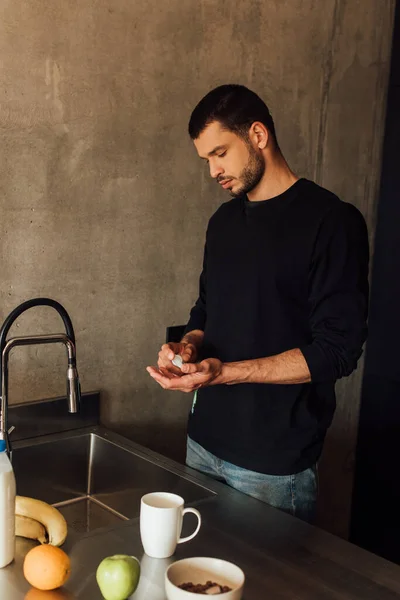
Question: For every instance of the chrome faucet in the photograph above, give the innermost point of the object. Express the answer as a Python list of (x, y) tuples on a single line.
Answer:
[(68, 339)]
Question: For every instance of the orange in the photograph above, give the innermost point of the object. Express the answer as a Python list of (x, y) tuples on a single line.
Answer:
[(46, 567)]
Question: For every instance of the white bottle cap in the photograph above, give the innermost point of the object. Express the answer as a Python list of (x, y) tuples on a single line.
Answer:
[(177, 361)]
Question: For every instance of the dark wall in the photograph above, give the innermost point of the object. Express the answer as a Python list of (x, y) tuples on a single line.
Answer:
[(376, 501)]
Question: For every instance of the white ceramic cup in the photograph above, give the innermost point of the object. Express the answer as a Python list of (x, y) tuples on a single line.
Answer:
[(161, 518)]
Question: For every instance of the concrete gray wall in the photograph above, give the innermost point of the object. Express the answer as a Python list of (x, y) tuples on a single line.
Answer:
[(104, 203)]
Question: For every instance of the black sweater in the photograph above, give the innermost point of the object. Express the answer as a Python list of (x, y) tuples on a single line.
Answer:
[(289, 272)]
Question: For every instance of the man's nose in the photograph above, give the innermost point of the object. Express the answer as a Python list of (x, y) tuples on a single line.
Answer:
[(215, 170)]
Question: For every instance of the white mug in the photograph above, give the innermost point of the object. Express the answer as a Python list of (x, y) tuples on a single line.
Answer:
[(161, 517)]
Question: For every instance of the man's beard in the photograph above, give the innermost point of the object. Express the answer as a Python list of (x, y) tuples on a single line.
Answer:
[(251, 174)]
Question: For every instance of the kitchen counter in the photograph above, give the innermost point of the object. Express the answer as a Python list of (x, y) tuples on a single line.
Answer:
[(283, 558)]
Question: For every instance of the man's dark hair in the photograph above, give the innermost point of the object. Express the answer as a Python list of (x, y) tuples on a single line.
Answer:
[(235, 107)]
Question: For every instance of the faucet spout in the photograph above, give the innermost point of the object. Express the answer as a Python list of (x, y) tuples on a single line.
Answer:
[(73, 390), (68, 339)]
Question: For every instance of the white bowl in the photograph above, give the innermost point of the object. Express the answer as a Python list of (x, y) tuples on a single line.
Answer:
[(201, 570)]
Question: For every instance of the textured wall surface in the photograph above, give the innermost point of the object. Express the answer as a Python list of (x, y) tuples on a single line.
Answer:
[(104, 203)]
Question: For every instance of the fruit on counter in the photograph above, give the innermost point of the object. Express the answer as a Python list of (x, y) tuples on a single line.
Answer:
[(46, 567), (30, 528), (51, 518), (118, 576)]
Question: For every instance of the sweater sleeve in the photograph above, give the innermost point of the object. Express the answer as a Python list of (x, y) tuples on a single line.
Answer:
[(338, 295), (198, 314)]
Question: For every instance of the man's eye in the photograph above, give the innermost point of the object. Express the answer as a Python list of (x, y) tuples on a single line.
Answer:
[(221, 155)]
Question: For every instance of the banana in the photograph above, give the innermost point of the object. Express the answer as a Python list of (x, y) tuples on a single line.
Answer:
[(29, 528), (47, 515)]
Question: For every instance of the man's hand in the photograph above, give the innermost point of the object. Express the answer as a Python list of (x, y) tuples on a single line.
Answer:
[(192, 376), (187, 348), (187, 351)]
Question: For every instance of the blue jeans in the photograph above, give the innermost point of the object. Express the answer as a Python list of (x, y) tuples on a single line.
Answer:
[(295, 494)]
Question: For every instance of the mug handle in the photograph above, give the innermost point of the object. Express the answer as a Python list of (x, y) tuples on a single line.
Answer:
[(195, 512)]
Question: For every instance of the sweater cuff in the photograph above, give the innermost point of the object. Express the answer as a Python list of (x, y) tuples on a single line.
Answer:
[(319, 366), (195, 322)]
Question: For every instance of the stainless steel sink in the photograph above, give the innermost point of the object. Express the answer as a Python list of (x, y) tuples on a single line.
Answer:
[(95, 482)]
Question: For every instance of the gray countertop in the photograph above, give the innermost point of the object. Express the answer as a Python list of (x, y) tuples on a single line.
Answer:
[(282, 557)]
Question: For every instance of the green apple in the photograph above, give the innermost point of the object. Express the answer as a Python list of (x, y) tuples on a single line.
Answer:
[(118, 576)]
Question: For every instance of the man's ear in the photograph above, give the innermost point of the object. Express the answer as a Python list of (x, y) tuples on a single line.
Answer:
[(259, 135)]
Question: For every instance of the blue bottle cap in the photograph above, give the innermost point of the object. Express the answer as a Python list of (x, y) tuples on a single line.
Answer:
[(3, 446)]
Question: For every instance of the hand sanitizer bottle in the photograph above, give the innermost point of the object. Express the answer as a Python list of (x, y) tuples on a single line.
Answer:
[(7, 508)]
